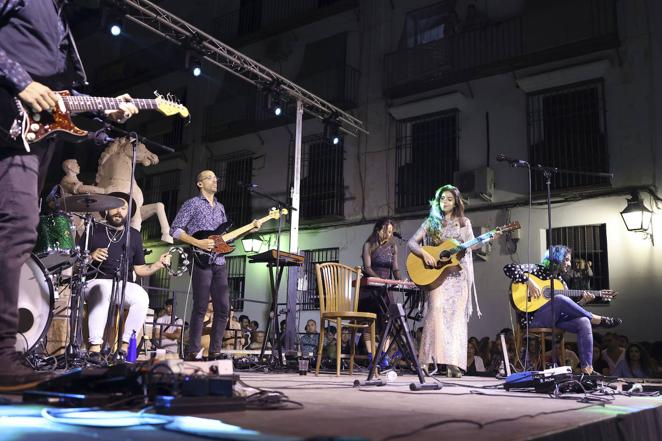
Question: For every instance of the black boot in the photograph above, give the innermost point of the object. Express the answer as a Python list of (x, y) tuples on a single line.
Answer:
[(609, 322), (17, 375)]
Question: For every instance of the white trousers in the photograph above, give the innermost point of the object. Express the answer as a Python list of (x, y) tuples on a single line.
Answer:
[(97, 295)]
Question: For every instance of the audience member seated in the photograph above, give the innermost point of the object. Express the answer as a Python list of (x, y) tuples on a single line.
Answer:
[(599, 364), (233, 337), (635, 364), (310, 339), (474, 361), (167, 337), (258, 339), (613, 353)]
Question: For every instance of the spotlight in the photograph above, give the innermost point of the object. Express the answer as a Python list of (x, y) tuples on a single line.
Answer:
[(115, 29), (192, 63), (332, 130), (278, 110), (197, 70), (276, 102)]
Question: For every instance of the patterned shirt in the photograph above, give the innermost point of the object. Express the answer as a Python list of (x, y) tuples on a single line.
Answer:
[(197, 214)]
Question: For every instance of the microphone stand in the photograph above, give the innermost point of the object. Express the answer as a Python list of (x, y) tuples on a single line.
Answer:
[(273, 314)]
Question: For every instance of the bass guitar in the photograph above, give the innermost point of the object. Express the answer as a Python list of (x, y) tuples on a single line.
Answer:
[(448, 255), (20, 126), (221, 238), (524, 302)]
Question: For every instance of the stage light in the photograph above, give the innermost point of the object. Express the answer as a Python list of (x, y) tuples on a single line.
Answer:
[(278, 110), (197, 70), (115, 29), (275, 100), (332, 130)]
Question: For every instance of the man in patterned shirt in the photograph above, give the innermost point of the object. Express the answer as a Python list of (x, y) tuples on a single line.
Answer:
[(37, 55), (205, 213)]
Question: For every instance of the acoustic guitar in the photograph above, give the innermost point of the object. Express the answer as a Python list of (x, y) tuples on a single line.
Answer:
[(524, 302), (448, 255), (221, 238), (20, 126)]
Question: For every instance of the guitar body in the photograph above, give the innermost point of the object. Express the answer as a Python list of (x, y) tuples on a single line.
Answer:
[(204, 258), (520, 293), (431, 277)]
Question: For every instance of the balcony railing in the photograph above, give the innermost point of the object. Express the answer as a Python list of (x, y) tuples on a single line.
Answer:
[(271, 16), (533, 38)]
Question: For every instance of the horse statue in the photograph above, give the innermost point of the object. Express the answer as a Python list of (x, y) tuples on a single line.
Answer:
[(114, 174)]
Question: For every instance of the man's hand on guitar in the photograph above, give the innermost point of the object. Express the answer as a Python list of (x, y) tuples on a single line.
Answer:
[(127, 109), (587, 297), (256, 225), (205, 244), (38, 97), (534, 291), (428, 259)]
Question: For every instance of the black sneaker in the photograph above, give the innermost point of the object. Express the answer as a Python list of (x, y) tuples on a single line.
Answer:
[(16, 375), (609, 322)]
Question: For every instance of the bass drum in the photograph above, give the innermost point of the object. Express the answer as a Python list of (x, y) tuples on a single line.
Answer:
[(35, 304)]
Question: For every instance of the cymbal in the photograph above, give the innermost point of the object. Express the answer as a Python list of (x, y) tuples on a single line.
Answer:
[(89, 202)]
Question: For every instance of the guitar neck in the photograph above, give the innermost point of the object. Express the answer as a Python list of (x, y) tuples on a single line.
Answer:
[(232, 235), (474, 241), (575, 292), (82, 103)]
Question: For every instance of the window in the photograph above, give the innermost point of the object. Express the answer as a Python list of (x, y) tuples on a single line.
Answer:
[(426, 157), (566, 129), (162, 187), (590, 269), (308, 297), (425, 25), (161, 281), (232, 170), (236, 280), (322, 182)]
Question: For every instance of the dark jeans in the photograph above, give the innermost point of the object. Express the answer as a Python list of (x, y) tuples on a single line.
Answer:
[(209, 282), (19, 215), (570, 317)]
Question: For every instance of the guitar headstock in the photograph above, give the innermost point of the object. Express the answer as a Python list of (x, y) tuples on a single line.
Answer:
[(275, 214), (169, 106), (608, 294), (508, 227)]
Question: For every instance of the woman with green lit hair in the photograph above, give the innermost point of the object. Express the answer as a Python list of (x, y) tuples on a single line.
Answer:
[(449, 307)]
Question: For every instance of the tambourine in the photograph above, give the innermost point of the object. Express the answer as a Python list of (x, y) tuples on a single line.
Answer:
[(179, 262)]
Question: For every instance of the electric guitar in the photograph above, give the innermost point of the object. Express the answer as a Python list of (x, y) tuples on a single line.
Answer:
[(448, 255), (221, 238), (20, 126), (524, 302)]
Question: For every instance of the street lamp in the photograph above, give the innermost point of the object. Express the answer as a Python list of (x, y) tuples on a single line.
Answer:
[(636, 216), (252, 243)]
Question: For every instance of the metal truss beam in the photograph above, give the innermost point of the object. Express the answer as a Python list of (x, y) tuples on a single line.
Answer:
[(158, 20)]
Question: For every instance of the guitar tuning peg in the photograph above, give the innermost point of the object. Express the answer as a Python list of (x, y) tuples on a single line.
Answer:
[(157, 94)]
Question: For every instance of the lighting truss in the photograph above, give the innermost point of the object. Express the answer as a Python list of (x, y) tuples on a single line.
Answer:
[(158, 20)]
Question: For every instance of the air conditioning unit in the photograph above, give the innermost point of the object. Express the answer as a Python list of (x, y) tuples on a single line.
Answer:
[(478, 183)]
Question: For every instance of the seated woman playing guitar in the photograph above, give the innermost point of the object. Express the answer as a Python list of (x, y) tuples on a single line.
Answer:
[(570, 315)]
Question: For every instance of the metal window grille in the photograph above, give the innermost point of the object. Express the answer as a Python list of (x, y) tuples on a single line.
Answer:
[(566, 129), (163, 187), (308, 296), (426, 154), (158, 297), (588, 243), (236, 199), (236, 280), (322, 182)]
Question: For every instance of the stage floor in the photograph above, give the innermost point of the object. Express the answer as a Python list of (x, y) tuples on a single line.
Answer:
[(332, 407)]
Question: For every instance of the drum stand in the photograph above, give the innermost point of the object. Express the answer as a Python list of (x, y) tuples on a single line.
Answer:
[(73, 353)]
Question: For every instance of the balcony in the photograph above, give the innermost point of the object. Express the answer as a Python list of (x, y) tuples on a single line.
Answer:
[(248, 113), (263, 18), (543, 34)]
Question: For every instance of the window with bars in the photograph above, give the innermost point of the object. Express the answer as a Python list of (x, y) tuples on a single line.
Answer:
[(162, 187), (308, 297), (322, 182), (158, 297), (236, 199), (590, 263), (426, 155), (566, 129), (236, 280)]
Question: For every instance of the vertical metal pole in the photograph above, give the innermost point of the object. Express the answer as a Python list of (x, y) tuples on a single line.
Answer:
[(293, 271)]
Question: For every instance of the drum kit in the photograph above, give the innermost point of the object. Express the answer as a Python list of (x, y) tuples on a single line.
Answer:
[(55, 252)]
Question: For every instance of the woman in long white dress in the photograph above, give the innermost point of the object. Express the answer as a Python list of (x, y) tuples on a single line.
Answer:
[(444, 339)]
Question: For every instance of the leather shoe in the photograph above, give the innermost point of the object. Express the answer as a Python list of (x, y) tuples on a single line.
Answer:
[(216, 356), (191, 356), (609, 322), (16, 375)]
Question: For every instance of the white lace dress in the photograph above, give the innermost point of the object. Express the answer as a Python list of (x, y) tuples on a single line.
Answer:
[(449, 306)]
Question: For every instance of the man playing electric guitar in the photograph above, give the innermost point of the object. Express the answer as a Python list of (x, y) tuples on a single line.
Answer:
[(37, 54), (201, 213), (570, 316)]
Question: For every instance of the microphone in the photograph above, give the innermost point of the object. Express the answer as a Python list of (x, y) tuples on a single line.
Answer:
[(513, 162), (100, 137), (247, 186)]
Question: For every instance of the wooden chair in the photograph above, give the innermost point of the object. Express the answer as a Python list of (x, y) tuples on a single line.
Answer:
[(540, 333), (338, 288)]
